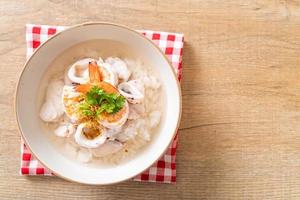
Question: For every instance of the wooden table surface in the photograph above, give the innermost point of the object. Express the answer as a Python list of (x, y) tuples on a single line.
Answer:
[(240, 129)]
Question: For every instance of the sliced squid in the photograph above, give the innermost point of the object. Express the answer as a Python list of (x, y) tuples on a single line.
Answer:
[(115, 120), (78, 72), (109, 147), (90, 137), (119, 67), (132, 91)]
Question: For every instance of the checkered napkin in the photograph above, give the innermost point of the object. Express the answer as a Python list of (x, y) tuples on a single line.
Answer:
[(164, 170)]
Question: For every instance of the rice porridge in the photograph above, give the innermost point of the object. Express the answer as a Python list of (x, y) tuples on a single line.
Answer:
[(99, 103)]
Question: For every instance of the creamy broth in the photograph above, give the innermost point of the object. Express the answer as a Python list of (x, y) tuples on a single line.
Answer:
[(137, 64)]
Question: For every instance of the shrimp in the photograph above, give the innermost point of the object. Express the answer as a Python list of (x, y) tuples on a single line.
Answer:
[(108, 120), (108, 88), (96, 78), (94, 73)]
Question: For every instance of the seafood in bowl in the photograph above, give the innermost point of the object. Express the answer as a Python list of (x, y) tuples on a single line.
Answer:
[(153, 114), (102, 110)]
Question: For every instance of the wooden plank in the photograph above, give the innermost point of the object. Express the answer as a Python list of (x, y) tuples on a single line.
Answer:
[(240, 128)]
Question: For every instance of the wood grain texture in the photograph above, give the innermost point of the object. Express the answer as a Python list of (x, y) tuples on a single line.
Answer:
[(240, 130)]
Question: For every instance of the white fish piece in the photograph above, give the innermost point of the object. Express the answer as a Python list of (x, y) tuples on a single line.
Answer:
[(54, 94), (118, 122), (154, 118), (53, 109), (65, 130), (84, 155), (78, 72), (109, 147), (119, 67), (48, 112), (132, 91), (83, 141), (54, 88)]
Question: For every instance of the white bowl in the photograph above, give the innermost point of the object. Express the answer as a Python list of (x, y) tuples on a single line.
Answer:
[(27, 109)]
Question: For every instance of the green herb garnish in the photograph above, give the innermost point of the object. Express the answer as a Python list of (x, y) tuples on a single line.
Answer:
[(98, 101)]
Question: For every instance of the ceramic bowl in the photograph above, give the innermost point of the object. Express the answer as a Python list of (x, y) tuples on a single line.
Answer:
[(27, 109)]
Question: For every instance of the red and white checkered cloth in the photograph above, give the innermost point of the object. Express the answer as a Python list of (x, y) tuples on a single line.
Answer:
[(171, 44)]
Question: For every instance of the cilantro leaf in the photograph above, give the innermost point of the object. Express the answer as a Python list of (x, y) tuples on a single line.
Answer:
[(88, 112), (120, 101), (91, 101), (98, 101)]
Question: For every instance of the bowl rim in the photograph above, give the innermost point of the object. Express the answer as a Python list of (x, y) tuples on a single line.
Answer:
[(88, 24)]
